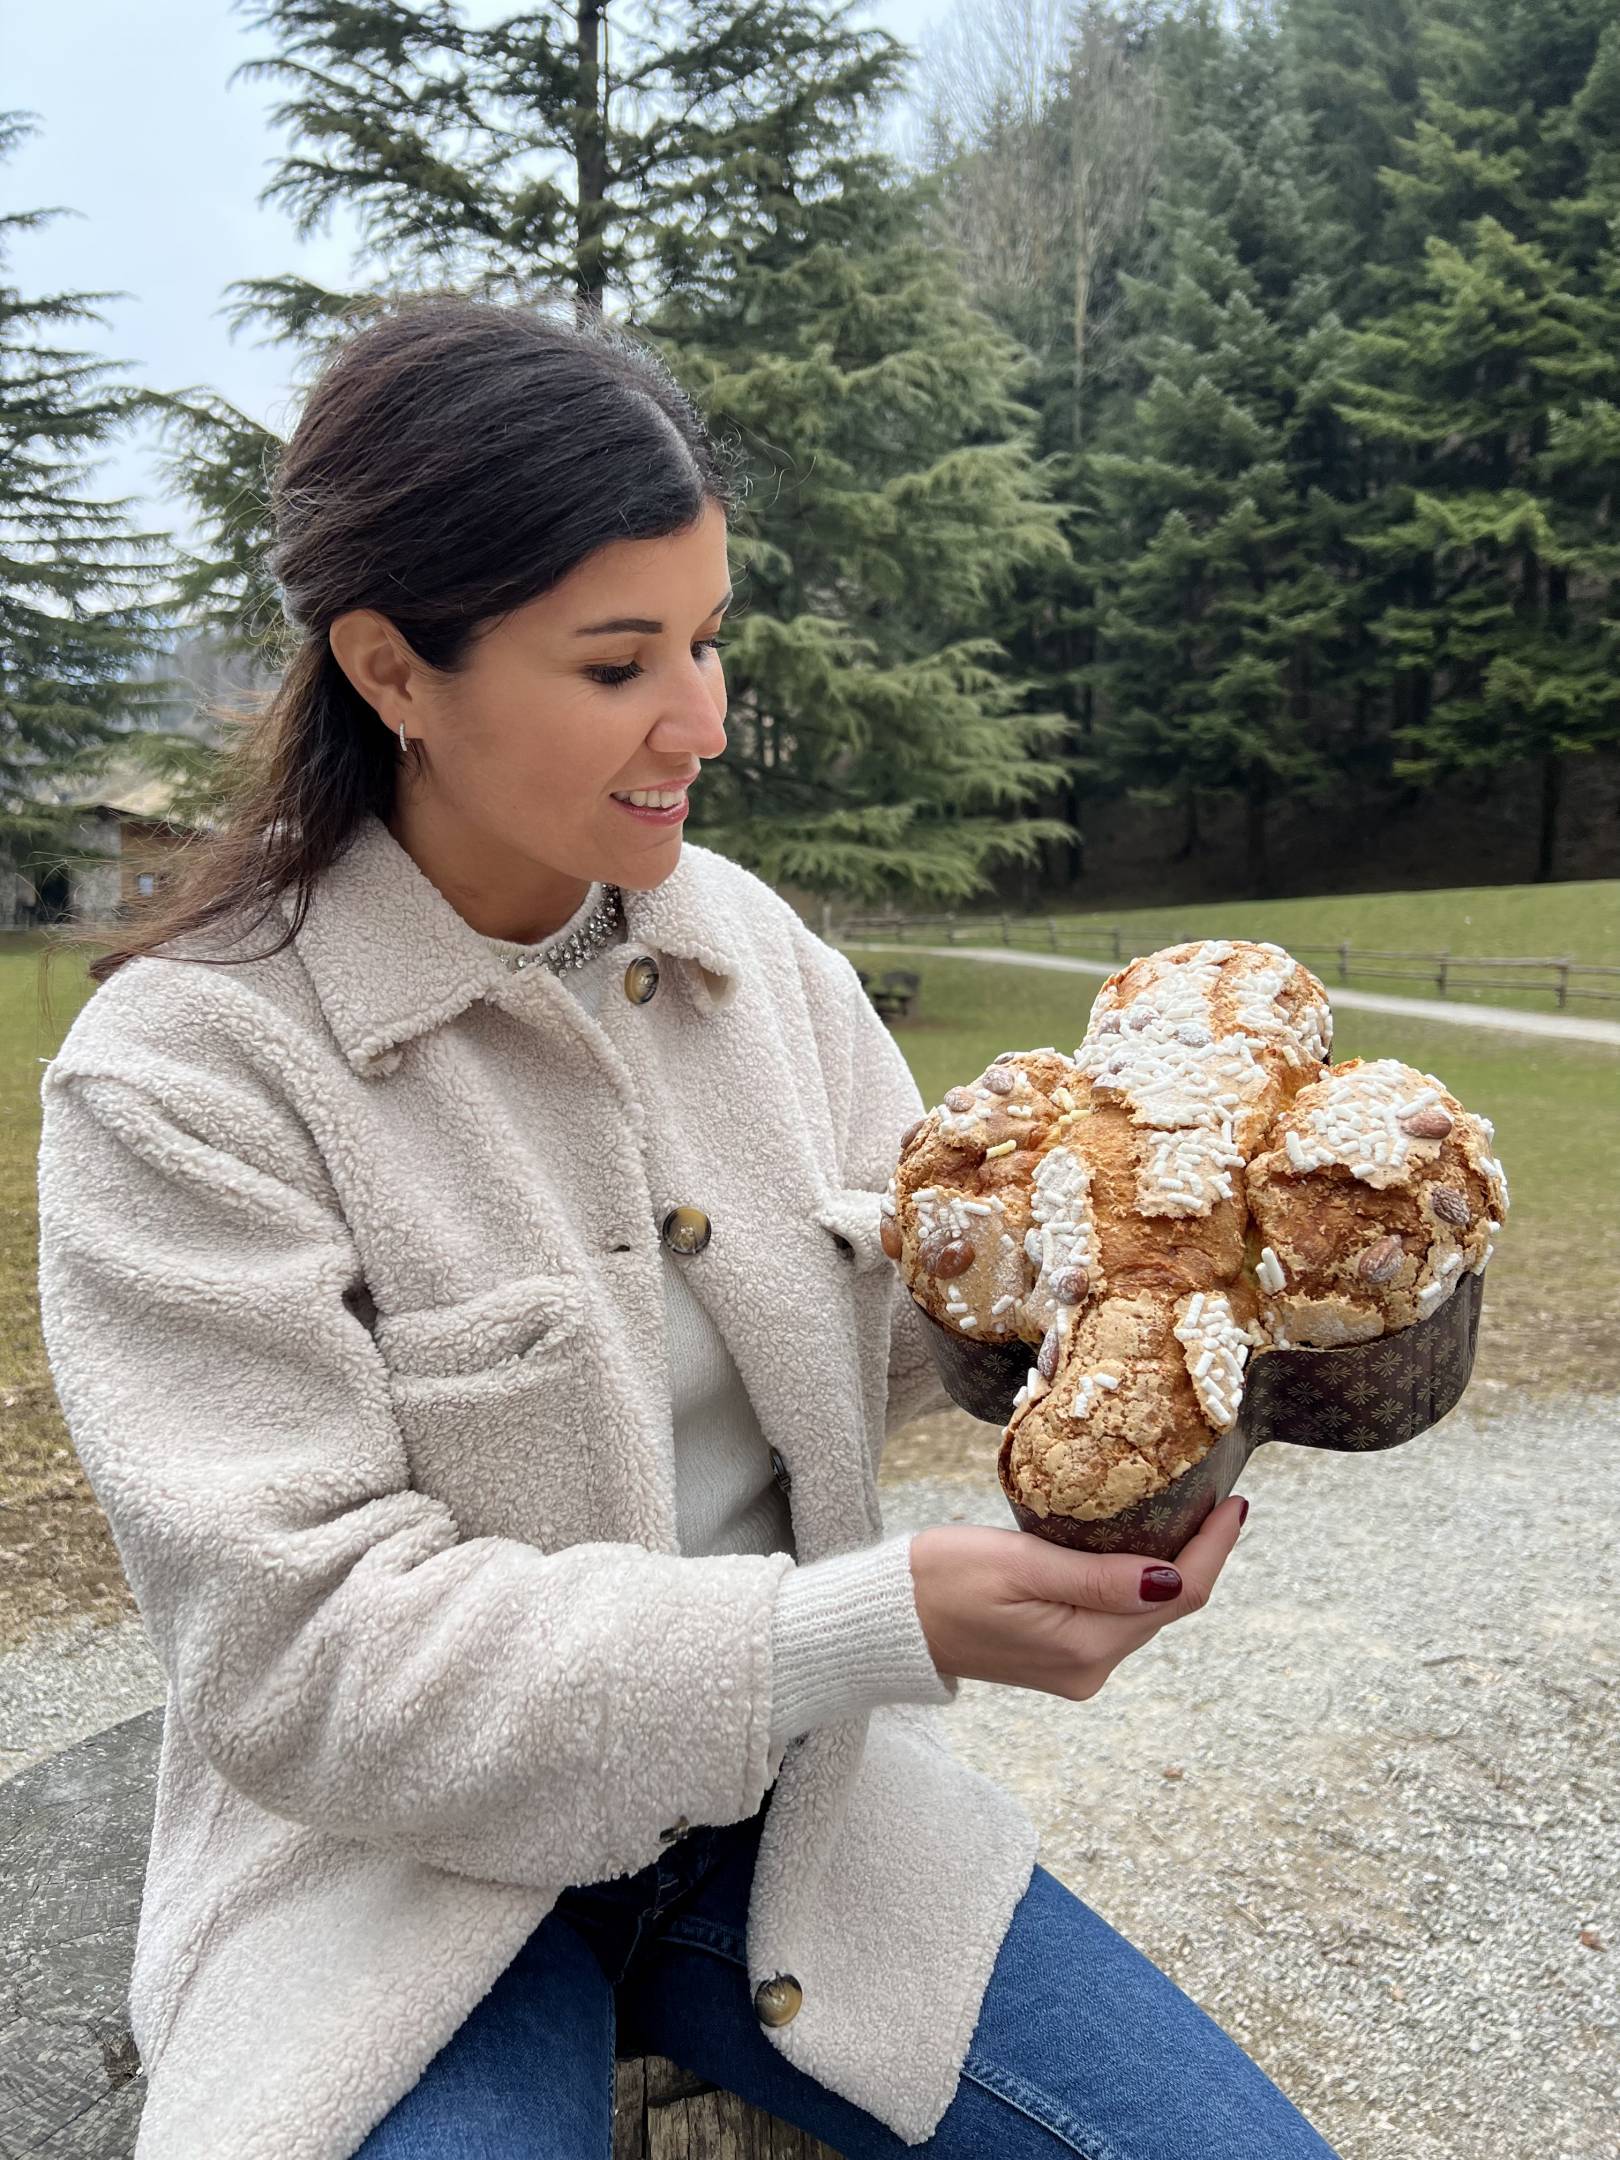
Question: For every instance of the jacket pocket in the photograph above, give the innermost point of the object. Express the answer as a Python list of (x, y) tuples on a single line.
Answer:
[(482, 1334), (495, 1397)]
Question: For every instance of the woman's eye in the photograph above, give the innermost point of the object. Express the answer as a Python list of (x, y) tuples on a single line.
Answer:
[(611, 676)]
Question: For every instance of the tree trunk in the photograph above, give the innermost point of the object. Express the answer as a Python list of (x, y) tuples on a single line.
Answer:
[(1074, 850), (1258, 801), (1301, 683), (1088, 722), (590, 160), (1191, 837), (1082, 310), (1552, 789)]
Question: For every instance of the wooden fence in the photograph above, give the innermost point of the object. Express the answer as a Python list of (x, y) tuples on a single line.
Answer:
[(1564, 979)]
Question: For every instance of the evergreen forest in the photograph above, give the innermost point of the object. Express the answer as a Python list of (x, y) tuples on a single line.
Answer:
[(1180, 410)]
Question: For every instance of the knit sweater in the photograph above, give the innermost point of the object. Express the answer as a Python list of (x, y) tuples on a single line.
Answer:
[(845, 1633)]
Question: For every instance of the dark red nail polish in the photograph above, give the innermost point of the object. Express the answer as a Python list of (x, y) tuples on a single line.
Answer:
[(1244, 1505), (1159, 1583)]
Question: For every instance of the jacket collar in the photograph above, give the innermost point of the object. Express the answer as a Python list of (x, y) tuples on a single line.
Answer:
[(390, 958)]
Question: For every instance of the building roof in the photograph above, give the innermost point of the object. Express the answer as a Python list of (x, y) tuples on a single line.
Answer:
[(126, 788)]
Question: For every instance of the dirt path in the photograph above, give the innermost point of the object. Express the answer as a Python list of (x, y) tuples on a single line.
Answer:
[(1564, 1027)]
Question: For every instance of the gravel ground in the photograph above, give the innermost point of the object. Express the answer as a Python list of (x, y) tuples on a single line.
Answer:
[(1363, 1808)]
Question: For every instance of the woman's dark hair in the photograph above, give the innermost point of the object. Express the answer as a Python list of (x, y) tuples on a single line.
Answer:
[(454, 459)]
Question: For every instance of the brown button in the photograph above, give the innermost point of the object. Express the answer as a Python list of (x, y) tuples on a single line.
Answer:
[(641, 979), (777, 2001), (685, 1230)]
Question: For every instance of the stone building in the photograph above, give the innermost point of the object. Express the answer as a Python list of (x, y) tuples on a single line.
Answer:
[(113, 857)]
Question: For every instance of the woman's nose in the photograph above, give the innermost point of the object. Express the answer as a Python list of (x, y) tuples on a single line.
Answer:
[(697, 720)]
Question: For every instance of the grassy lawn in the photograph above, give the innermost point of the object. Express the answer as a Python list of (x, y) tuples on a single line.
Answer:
[(1575, 921), (56, 1557), (1553, 1284)]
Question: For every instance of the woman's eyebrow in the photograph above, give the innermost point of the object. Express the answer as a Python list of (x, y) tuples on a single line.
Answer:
[(641, 623)]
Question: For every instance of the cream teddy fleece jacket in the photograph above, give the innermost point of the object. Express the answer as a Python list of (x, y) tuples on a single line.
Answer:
[(844, 1632), (351, 1283)]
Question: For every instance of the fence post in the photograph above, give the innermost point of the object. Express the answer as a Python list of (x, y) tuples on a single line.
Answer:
[(1118, 955), (1344, 961), (950, 926), (1445, 964), (1051, 930), (1006, 931), (1563, 985), (826, 920)]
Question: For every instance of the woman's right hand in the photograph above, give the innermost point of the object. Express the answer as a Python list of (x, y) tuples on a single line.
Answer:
[(1008, 1606)]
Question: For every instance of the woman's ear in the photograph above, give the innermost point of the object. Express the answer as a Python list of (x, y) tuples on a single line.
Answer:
[(379, 667)]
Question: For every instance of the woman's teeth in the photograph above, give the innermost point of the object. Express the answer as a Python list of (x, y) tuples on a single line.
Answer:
[(652, 798)]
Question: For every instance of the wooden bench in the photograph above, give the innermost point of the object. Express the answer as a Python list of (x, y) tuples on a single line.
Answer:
[(73, 1836), (894, 992)]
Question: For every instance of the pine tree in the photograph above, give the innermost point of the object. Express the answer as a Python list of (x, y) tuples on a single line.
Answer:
[(663, 168), (77, 606), (1354, 77), (1207, 528), (1042, 127), (879, 744), (1493, 390)]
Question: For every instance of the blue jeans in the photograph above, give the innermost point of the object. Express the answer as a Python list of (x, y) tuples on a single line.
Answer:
[(1082, 2045)]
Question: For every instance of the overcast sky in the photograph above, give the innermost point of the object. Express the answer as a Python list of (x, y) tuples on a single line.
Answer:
[(139, 131)]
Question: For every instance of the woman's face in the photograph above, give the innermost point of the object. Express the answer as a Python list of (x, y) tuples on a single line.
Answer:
[(608, 683)]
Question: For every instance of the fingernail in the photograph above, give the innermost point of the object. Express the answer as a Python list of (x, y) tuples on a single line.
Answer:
[(1159, 1583), (1244, 1505)]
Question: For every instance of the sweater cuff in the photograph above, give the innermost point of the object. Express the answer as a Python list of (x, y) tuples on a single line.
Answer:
[(845, 1637)]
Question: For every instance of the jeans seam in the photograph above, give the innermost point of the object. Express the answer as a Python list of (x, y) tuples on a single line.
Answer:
[(697, 1933), (1040, 2108)]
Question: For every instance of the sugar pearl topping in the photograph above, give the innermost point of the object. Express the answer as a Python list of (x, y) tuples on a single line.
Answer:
[(1368, 1121), (1216, 1349), (1063, 1235), (1091, 1386), (1193, 1081)]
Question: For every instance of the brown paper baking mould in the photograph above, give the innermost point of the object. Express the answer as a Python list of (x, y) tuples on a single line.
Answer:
[(1355, 1400)]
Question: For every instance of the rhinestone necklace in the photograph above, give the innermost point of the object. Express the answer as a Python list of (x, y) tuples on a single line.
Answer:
[(599, 928)]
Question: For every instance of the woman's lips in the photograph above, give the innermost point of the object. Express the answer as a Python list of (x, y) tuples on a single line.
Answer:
[(649, 816)]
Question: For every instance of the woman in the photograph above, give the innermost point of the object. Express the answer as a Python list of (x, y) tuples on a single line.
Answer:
[(470, 1310)]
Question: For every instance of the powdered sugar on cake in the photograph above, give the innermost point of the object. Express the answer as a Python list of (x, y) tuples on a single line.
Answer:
[(993, 1280)]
